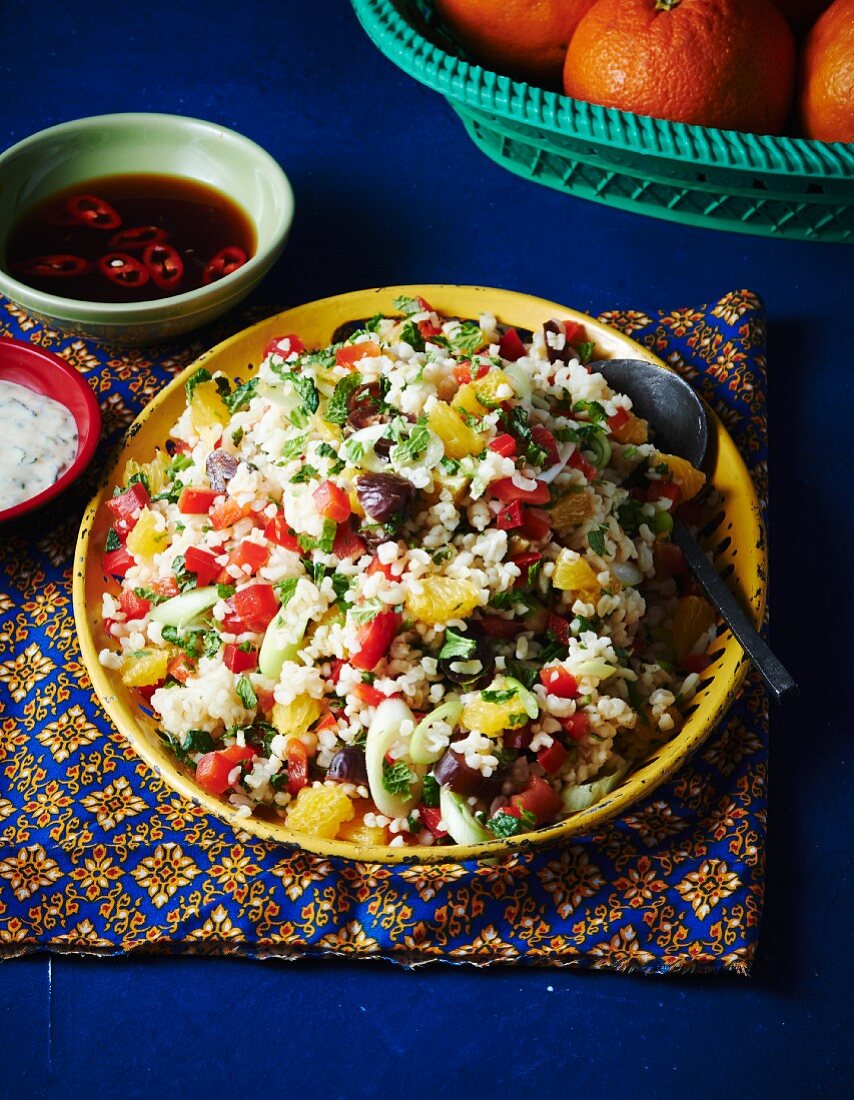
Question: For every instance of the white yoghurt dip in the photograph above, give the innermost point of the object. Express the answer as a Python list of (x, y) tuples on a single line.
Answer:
[(38, 442)]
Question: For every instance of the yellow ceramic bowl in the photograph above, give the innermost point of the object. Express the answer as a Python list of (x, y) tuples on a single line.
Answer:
[(738, 541)]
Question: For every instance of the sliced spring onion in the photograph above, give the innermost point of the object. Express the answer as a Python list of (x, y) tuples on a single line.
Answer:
[(594, 667), (419, 749), (521, 381), (527, 698), (627, 572), (459, 820), (384, 730), (431, 456), (566, 452), (180, 610), (584, 795), (599, 448)]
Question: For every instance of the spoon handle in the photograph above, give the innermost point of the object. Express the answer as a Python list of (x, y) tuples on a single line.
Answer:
[(771, 669)]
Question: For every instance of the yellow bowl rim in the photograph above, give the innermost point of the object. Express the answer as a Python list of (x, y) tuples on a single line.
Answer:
[(640, 782)]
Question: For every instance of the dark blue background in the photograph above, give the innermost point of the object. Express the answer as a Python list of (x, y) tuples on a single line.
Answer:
[(388, 189)]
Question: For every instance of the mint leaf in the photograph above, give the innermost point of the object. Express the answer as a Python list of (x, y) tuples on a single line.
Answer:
[(338, 408), (246, 693), (457, 645)]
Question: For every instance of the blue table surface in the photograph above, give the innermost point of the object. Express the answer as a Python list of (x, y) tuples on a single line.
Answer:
[(389, 189)]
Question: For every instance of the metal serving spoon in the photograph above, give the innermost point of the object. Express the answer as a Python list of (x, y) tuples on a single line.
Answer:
[(681, 428)]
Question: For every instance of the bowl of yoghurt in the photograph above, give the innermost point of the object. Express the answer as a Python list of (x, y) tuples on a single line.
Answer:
[(49, 426)]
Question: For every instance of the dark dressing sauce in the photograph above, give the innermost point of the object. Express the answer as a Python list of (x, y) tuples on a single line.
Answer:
[(129, 238)]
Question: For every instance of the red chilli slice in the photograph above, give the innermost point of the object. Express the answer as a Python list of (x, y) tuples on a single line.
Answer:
[(226, 261), (123, 269), (55, 265), (93, 211)]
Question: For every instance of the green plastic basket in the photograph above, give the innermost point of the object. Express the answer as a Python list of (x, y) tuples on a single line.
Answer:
[(748, 183)]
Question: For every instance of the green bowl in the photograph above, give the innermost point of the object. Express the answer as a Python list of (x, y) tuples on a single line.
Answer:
[(106, 145)]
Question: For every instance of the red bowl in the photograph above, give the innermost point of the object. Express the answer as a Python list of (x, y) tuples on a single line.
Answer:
[(45, 373)]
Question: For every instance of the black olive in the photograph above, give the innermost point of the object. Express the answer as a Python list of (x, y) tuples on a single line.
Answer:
[(221, 468), (384, 496), (482, 654), (557, 355), (348, 766), (453, 771), (346, 329), (365, 406)]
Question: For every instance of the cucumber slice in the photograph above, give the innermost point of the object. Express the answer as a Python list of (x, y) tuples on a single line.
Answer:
[(280, 644), (527, 698), (179, 610), (521, 381), (419, 752), (594, 667), (579, 798), (459, 820), (382, 734)]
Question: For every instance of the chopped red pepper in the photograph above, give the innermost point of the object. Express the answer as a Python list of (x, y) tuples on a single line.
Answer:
[(696, 662), (511, 346), (518, 739), (524, 562), (278, 531), (164, 264), (553, 758), (510, 517), (431, 816), (226, 261), (619, 419), (249, 556), (539, 799), (558, 681), (347, 543), (331, 501), (93, 211), (214, 768), (123, 269), (664, 490), (115, 563), (544, 438), (374, 640), (558, 627), (55, 265), (201, 562), (385, 568), (503, 444), (196, 502), (255, 605), (369, 695), (285, 346), (297, 766), (578, 462), (497, 627), (576, 725), (227, 513), (574, 332), (137, 236), (237, 659), (180, 668), (126, 506), (536, 524), (352, 353), (507, 490), (134, 607), (464, 373)]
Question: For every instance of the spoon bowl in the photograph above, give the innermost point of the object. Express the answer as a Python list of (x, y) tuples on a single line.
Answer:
[(678, 418)]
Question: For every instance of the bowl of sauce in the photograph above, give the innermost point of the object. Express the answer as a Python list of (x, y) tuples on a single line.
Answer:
[(49, 424), (135, 228)]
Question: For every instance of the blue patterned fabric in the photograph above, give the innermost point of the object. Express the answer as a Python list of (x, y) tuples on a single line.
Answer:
[(98, 855)]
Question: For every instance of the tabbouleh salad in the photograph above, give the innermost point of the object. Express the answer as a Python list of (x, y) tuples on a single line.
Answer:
[(412, 588)]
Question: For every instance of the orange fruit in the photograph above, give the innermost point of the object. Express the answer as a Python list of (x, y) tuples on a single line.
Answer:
[(801, 14), (526, 39), (826, 99), (726, 63)]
